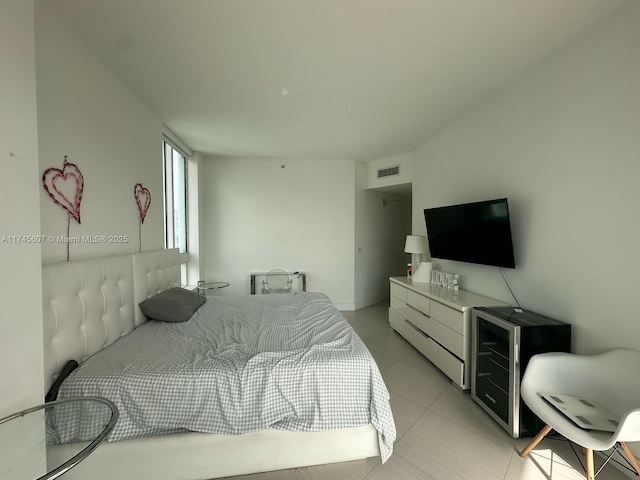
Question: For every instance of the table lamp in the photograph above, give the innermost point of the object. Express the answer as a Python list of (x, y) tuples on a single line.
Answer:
[(418, 247)]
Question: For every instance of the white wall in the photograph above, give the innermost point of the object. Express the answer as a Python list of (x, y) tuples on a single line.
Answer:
[(86, 112), (21, 282), (260, 216), (563, 144), (383, 220)]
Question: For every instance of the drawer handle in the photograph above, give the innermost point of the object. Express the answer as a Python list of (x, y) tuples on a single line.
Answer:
[(419, 311), (493, 400)]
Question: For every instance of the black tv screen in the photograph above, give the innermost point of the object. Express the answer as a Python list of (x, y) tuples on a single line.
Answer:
[(477, 232)]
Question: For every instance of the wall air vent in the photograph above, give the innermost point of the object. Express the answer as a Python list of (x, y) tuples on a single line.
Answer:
[(389, 172)]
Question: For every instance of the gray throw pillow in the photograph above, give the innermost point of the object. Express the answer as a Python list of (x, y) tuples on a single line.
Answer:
[(173, 305)]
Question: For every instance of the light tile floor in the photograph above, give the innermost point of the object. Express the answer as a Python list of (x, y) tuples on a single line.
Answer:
[(442, 433)]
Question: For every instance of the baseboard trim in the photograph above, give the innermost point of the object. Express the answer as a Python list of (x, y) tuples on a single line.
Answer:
[(371, 301)]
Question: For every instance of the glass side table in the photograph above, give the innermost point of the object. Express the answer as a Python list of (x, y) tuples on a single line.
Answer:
[(27, 437), (203, 286)]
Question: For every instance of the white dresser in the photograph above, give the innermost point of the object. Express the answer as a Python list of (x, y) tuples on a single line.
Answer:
[(437, 321)]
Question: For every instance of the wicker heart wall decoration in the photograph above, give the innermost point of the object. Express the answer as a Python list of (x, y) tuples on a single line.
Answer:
[(143, 199), (65, 187)]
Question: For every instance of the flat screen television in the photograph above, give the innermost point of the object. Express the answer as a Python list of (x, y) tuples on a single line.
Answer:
[(478, 232)]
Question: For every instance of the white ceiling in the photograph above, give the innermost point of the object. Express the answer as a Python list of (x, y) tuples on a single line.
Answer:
[(321, 79)]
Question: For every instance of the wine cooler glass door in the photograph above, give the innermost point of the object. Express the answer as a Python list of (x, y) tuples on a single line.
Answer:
[(494, 368)]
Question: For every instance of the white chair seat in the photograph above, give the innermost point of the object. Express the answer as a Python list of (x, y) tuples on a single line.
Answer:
[(609, 379)]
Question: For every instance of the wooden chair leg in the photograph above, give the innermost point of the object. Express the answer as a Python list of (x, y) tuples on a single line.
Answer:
[(631, 457), (590, 470), (536, 440)]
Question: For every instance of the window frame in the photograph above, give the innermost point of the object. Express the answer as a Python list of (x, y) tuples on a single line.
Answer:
[(169, 150)]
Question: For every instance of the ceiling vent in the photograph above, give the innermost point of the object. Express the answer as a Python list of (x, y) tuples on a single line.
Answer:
[(389, 172)]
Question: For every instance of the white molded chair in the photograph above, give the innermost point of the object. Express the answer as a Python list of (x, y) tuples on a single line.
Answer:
[(610, 379), (277, 281)]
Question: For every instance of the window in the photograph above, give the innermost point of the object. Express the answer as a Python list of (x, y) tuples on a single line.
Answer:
[(175, 197)]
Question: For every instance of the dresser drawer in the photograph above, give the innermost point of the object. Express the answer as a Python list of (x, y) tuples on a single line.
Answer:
[(397, 304), (448, 363), (398, 322), (398, 291), (446, 337), (417, 301), (454, 319)]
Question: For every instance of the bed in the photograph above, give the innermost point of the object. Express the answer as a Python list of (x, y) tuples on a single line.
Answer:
[(93, 304)]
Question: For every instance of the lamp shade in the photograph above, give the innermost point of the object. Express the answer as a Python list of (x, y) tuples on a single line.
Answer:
[(416, 244)]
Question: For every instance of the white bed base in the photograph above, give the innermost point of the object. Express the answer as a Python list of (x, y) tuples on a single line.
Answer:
[(87, 306), (184, 456)]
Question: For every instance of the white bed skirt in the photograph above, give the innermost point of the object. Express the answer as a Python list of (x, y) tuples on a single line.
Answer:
[(202, 456)]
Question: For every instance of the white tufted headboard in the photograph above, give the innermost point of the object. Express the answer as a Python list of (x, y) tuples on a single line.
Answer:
[(89, 304), (154, 272)]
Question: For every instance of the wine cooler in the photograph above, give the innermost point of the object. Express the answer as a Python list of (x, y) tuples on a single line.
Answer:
[(503, 343)]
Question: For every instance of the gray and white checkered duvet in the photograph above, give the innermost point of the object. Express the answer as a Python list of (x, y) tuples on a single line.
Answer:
[(242, 363)]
